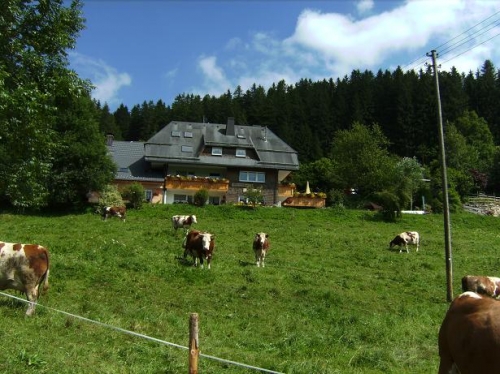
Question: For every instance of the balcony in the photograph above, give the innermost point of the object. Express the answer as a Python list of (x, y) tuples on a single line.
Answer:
[(196, 183), (286, 190)]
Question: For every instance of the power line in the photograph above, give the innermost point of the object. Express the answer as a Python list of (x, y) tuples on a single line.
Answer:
[(421, 61), (475, 46)]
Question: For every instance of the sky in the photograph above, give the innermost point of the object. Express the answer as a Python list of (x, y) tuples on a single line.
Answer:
[(149, 50)]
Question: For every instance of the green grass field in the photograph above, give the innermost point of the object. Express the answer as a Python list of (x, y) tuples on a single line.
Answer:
[(332, 298)]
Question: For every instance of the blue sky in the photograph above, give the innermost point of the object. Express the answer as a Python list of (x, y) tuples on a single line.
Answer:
[(135, 51)]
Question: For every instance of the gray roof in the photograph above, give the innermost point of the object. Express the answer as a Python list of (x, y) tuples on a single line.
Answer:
[(129, 158), (167, 144)]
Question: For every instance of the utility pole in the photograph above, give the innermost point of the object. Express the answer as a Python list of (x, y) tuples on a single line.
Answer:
[(446, 207)]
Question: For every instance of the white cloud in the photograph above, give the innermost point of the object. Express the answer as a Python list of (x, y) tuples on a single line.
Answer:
[(332, 45), (364, 6), (344, 44), (106, 79), (214, 77)]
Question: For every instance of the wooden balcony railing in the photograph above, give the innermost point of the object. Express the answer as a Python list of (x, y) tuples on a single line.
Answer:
[(196, 183), (286, 189)]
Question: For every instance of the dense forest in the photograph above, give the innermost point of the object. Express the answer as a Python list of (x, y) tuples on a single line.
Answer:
[(307, 114)]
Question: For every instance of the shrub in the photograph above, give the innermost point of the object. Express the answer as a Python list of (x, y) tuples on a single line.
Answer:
[(254, 196), (110, 196), (391, 208), (200, 197), (134, 193)]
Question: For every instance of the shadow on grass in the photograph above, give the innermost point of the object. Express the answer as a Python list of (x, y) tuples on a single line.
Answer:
[(184, 261)]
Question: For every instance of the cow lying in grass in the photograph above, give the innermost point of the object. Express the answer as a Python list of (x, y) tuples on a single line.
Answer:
[(200, 245), (405, 238), (489, 286), (24, 267), (260, 247), (469, 337)]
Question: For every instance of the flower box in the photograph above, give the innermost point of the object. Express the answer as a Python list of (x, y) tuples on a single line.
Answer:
[(196, 183), (304, 202)]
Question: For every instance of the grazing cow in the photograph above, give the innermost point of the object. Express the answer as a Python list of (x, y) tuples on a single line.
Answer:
[(183, 221), (114, 211), (260, 247), (200, 245), (489, 286), (405, 238), (24, 267), (469, 337)]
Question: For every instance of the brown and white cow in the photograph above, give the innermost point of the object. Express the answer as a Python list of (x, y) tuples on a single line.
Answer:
[(260, 247), (405, 238), (180, 221), (483, 285), (200, 245), (114, 211), (24, 267), (469, 337)]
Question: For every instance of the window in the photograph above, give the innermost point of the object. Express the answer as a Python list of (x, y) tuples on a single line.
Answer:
[(187, 148), (183, 199), (252, 176), (214, 200), (123, 170), (176, 134), (148, 194), (188, 134), (216, 151), (241, 152)]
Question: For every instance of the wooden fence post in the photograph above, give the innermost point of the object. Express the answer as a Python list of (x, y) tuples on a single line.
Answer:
[(194, 349)]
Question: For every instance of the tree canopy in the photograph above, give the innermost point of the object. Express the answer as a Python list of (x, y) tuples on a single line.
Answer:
[(47, 132)]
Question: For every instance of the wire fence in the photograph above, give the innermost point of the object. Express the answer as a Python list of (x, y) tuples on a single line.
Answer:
[(142, 336)]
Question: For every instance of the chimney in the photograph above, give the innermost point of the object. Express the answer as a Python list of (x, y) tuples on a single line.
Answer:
[(109, 139), (230, 126)]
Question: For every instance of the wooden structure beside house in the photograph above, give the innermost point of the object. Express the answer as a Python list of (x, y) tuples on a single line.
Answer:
[(225, 159)]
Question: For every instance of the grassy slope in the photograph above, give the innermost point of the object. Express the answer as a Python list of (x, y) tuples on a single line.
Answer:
[(332, 299)]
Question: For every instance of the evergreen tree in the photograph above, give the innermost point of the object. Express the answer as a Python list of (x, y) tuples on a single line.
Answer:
[(122, 121), (107, 124)]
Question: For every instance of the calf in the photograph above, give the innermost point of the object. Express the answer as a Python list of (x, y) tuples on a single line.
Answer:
[(24, 267), (405, 238), (260, 247), (114, 211), (200, 245), (489, 286), (469, 337), (179, 221)]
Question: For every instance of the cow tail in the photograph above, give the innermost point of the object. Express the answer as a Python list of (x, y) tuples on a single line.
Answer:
[(45, 276)]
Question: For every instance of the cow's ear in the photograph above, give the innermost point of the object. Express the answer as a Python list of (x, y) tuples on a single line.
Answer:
[(267, 235)]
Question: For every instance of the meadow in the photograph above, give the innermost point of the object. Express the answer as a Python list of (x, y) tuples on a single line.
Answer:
[(333, 298)]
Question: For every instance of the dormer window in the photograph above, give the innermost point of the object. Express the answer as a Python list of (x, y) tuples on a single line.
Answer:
[(241, 152), (186, 148), (216, 151), (188, 134), (176, 134)]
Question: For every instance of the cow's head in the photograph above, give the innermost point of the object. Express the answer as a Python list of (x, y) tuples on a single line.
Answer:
[(193, 219), (206, 241), (260, 238)]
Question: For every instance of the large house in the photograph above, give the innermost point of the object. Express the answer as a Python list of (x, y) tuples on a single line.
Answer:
[(225, 159)]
